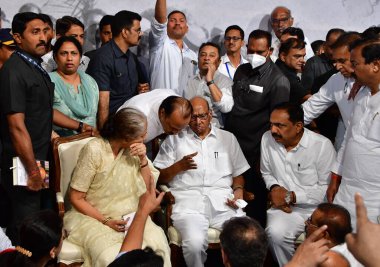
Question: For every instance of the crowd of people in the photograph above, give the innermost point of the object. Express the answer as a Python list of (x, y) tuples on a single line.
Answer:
[(293, 123)]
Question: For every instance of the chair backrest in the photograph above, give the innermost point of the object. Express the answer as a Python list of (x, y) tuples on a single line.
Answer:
[(66, 152)]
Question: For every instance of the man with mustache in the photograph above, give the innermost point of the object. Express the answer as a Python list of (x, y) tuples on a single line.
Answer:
[(295, 164), (115, 68), (172, 62), (26, 100)]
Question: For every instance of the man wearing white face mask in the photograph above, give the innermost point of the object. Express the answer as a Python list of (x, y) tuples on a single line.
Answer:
[(258, 87)]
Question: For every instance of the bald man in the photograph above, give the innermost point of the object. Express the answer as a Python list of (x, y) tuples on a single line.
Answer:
[(203, 166)]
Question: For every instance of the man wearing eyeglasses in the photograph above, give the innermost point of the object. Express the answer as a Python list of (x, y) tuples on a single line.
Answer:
[(233, 42), (295, 165), (281, 18), (338, 221), (203, 166)]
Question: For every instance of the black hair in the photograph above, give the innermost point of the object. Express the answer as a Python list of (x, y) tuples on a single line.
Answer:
[(210, 44), (363, 42), (291, 43), (244, 242), (21, 19), (171, 103), (293, 31), (258, 34), (371, 52), (345, 40), (175, 12), (58, 44), (46, 18), (139, 258), (372, 32), (294, 111), (235, 27), (334, 31), (63, 25), (316, 45), (337, 219), (39, 233), (123, 19), (106, 20)]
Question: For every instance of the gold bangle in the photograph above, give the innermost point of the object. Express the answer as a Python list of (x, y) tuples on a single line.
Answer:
[(143, 166), (106, 220)]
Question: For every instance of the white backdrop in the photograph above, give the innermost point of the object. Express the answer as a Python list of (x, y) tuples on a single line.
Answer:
[(208, 18)]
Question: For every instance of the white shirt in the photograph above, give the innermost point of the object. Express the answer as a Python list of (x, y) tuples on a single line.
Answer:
[(335, 90), (48, 62), (219, 159), (197, 86), (276, 48), (226, 68), (170, 67), (305, 169), (149, 104), (358, 160), (342, 249)]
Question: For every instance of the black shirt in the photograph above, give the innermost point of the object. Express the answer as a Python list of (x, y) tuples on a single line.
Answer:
[(316, 72), (256, 92), (297, 91), (25, 89), (116, 72)]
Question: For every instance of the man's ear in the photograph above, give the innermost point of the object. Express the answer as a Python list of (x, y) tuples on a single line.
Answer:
[(299, 126), (282, 56), (376, 66), (17, 38), (270, 51)]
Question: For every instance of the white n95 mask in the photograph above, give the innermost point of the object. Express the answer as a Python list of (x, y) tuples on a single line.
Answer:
[(256, 60)]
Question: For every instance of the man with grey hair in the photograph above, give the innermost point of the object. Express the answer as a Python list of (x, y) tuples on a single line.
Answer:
[(281, 18)]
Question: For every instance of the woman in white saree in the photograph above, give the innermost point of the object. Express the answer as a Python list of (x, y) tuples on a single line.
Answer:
[(112, 172)]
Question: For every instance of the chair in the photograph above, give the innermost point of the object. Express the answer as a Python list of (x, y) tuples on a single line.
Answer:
[(65, 153), (175, 240)]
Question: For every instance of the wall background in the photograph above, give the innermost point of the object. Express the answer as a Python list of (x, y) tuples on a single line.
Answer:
[(208, 18)]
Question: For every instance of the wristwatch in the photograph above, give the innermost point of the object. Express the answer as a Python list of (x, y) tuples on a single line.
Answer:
[(210, 82), (288, 197)]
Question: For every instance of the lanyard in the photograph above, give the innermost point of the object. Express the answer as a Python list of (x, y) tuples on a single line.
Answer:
[(228, 70), (33, 62)]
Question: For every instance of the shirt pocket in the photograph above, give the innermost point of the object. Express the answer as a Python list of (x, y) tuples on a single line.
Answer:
[(305, 175), (374, 128), (222, 164)]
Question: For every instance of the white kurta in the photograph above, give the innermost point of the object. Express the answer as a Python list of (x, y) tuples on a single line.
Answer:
[(149, 103), (170, 67), (342, 249), (197, 86), (359, 158)]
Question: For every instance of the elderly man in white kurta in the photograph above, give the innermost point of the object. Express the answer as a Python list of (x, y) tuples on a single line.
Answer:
[(203, 166), (359, 158), (295, 164)]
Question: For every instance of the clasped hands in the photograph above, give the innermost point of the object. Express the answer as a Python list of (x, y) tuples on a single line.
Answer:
[(277, 198)]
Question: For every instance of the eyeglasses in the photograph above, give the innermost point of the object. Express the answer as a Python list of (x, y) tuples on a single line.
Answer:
[(308, 223), (202, 117), (233, 38), (277, 21)]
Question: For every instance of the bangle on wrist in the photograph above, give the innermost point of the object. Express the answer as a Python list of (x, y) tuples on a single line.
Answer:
[(144, 165), (106, 220), (80, 127), (234, 188)]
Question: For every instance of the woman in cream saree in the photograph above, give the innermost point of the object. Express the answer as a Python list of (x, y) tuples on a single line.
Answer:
[(112, 185)]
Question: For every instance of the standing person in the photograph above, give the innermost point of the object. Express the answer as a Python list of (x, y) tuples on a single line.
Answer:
[(66, 26), (233, 42), (281, 18), (211, 84), (76, 93), (26, 116), (115, 68), (7, 45), (359, 159), (172, 62), (258, 87)]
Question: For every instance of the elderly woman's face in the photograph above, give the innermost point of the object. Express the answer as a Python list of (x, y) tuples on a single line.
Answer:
[(68, 58)]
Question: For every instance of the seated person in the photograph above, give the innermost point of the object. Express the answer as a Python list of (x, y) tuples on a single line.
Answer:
[(203, 166), (215, 87), (111, 174), (338, 221), (295, 164), (40, 241), (76, 93)]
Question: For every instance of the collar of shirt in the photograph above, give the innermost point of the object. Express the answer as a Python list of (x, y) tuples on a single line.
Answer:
[(37, 59), (117, 51), (263, 68), (304, 142), (185, 47), (225, 59), (211, 133), (286, 69)]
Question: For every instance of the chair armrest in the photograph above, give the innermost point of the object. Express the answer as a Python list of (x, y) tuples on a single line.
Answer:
[(168, 197), (60, 204)]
